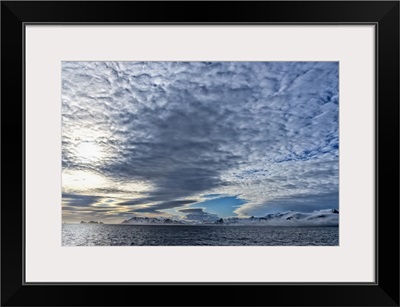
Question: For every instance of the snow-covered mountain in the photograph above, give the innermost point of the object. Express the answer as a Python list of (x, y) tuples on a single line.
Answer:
[(152, 220), (328, 217)]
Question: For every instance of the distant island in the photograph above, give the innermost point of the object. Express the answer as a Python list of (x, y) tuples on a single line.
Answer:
[(328, 217), (91, 222)]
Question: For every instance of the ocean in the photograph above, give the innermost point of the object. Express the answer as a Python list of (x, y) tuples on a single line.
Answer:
[(189, 235)]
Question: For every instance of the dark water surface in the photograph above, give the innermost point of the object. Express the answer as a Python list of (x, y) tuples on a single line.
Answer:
[(160, 235)]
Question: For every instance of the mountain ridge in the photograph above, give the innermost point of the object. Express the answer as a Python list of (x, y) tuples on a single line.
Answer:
[(326, 217)]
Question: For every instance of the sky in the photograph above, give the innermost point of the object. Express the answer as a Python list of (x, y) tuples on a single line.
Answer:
[(198, 140)]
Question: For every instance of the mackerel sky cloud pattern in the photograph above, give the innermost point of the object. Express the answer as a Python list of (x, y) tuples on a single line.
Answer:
[(161, 138)]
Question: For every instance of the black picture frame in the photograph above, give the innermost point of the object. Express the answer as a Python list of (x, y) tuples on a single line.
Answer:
[(383, 14)]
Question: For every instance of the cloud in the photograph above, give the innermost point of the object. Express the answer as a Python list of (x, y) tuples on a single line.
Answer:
[(327, 217), (74, 200), (192, 210), (211, 195), (316, 218), (262, 130), (164, 205), (198, 214), (300, 202)]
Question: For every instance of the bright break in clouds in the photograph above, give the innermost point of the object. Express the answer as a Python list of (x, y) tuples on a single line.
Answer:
[(198, 140)]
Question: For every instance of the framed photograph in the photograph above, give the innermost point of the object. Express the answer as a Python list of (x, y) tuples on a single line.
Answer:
[(241, 153)]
